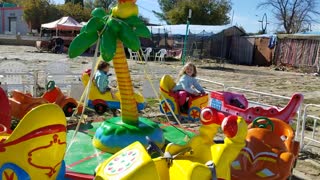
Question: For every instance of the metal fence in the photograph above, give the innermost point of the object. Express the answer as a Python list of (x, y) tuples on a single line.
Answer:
[(27, 84), (200, 46), (309, 115)]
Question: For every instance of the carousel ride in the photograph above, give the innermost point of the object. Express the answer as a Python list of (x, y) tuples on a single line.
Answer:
[(129, 146)]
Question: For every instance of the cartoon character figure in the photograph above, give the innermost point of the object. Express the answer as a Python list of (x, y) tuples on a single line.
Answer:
[(270, 151)]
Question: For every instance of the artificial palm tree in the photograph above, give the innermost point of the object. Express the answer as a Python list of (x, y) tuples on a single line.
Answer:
[(121, 27)]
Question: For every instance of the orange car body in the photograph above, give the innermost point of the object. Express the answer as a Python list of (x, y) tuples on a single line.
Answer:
[(268, 154), (65, 102), (22, 103)]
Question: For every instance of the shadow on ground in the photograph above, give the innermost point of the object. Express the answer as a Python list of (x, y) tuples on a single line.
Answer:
[(296, 178), (239, 71), (309, 155)]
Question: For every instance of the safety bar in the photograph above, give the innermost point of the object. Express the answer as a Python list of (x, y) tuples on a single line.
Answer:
[(315, 119), (213, 82)]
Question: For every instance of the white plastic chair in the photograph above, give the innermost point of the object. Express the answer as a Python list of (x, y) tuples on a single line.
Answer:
[(146, 53), (133, 55), (160, 55)]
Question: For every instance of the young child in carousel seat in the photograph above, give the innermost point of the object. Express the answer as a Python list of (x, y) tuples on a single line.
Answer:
[(187, 86), (101, 77)]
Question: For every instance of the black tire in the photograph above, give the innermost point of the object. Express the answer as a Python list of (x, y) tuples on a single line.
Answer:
[(100, 108), (68, 109)]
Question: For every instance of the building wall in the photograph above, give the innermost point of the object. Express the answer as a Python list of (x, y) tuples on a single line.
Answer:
[(9, 14), (298, 52), (242, 50), (224, 43), (263, 54)]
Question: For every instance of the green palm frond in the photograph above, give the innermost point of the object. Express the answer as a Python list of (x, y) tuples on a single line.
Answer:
[(95, 24), (98, 12), (128, 37), (142, 31), (109, 29), (83, 29), (138, 26), (81, 43), (108, 44), (133, 21)]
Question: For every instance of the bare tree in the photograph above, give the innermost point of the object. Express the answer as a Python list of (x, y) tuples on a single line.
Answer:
[(293, 15)]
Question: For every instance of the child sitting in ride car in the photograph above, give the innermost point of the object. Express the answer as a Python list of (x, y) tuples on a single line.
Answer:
[(187, 86), (101, 77)]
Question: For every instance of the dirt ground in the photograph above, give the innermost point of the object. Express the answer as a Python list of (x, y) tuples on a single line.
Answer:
[(264, 79)]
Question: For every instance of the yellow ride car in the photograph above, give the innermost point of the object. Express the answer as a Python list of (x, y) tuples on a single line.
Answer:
[(102, 102), (170, 98)]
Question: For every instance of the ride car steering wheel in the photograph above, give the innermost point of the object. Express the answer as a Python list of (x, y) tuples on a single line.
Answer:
[(259, 124), (50, 85)]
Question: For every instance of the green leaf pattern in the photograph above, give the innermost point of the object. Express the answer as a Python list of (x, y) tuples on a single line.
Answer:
[(109, 29)]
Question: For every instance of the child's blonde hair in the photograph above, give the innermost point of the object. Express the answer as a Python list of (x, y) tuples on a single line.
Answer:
[(183, 70)]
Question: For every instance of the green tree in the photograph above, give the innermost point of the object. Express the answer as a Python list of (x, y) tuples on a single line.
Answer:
[(165, 6), (37, 12), (89, 4), (103, 3), (76, 11), (205, 12), (74, 1), (11, 1)]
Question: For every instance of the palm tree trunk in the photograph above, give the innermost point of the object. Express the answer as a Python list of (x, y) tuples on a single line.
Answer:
[(129, 111)]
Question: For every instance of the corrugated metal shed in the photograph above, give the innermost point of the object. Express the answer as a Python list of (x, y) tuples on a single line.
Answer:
[(298, 50), (242, 50)]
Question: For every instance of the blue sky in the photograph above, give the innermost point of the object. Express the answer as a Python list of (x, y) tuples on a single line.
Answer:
[(245, 14)]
